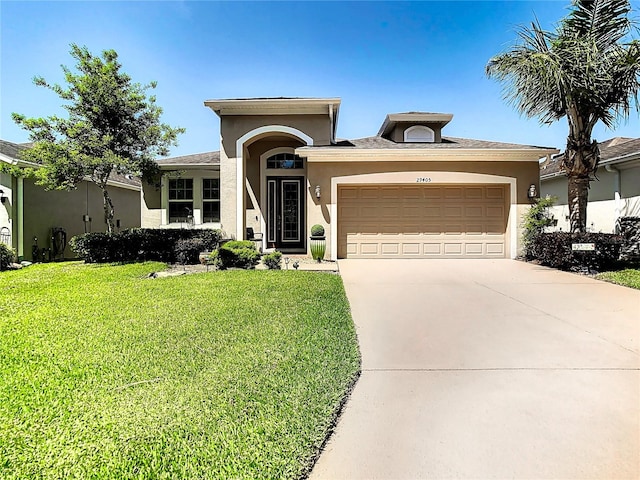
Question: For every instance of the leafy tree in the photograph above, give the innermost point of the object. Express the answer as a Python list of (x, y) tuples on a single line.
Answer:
[(112, 127), (587, 70)]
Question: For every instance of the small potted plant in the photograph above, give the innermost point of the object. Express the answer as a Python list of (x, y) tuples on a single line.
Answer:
[(317, 243)]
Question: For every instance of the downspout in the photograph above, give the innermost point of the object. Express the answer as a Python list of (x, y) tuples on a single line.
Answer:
[(20, 217), (617, 189)]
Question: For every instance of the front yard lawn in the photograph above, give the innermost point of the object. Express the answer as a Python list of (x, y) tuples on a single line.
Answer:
[(107, 374), (628, 278)]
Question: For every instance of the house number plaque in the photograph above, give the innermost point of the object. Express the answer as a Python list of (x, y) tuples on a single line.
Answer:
[(423, 180)]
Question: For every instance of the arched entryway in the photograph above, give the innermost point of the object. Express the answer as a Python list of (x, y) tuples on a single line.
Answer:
[(272, 186)]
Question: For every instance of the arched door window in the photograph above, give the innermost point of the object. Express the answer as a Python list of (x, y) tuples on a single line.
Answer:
[(285, 161)]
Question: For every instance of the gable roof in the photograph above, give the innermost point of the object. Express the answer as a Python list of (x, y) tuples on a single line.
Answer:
[(613, 150), (10, 153), (197, 159), (11, 149), (448, 143)]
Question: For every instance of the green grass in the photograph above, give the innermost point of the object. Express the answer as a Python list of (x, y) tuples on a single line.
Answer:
[(628, 278), (107, 374)]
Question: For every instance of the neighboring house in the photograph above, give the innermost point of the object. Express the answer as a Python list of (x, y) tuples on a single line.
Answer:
[(614, 193), (408, 192), (30, 216)]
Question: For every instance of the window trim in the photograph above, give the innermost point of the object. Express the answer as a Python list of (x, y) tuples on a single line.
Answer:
[(189, 202), (424, 134), (210, 200)]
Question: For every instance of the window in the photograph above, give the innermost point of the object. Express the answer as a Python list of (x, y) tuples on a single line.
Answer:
[(284, 160), (419, 134), (210, 200), (180, 200)]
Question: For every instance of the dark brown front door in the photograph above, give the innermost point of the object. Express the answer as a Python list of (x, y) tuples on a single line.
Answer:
[(285, 212)]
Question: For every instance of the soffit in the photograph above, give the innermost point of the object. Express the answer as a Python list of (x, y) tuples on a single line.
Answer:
[(274, 106)]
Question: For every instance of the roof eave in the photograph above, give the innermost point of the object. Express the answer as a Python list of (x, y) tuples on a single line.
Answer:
[(330, 154), (273, 106)]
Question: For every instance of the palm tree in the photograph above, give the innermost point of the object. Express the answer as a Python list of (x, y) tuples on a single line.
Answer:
[(587, 70)]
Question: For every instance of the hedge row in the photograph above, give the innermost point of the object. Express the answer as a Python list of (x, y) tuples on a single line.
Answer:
[(141, 244), (555, 250)]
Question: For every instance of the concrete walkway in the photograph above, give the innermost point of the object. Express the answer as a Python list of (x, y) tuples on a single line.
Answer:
[(488, 369)]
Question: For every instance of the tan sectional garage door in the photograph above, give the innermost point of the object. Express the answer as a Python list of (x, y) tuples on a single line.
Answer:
[(422, 221)]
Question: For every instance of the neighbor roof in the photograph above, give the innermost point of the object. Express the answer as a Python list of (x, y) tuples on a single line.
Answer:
[(613, 150), (12, 151)]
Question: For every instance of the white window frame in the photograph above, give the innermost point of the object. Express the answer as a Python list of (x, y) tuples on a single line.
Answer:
[(211, 200), (419, 134), (181, 200)]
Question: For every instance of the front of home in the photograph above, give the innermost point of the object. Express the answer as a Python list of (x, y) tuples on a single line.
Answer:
[(408, 192)]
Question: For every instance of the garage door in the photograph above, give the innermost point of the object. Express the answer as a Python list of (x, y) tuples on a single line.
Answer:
[(422, 221)]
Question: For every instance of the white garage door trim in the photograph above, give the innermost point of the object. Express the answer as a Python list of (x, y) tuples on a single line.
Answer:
[(417, 177)]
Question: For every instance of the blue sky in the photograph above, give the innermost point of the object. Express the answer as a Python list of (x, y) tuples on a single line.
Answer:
[(378, 57)]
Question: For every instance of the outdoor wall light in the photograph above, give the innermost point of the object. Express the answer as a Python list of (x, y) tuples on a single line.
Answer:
[(532, 192), (3, 199), (317, 191)]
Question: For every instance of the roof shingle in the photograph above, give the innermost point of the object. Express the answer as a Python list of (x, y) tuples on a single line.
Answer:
[(610, 150)]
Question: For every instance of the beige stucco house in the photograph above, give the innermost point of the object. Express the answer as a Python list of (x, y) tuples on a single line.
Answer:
[(614, 193), (29, 215), (410, 191)]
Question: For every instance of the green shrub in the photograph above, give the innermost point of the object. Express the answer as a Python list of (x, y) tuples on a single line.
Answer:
[(317, 231), (273, 260), (554, 249), (237, 254), (534, 222), (6, 256), (188, 250), (140, 244)]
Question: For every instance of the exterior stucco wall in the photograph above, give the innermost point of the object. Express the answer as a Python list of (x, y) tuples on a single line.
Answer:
[(519, 174), (156, 199), (233, 127), (151, 206), (44, 210), (602, 209), (397, 134)]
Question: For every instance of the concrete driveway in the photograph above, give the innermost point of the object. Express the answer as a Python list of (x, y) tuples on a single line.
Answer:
[(488, 369)]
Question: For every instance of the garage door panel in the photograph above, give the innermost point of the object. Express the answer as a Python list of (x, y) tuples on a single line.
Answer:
[(452, 193), (473, 211), (391, 193), (390, 249), (496, 193), (369, 248), (432, 193), (496, 249), (432, 249), (451, 248), (347, 193), (411, 249), (452, 211), (495, 212), (411, 211), (369, 193), (473, 248), (422, 221), (474, 193)]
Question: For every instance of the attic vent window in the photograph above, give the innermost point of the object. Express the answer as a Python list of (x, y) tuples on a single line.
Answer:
[(419, 134)]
